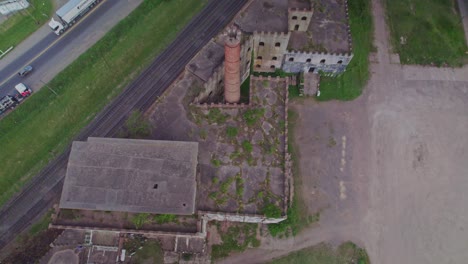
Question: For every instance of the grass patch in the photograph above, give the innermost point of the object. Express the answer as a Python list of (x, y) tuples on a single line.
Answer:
[(216, 162), (84, 88), (272, 211), (165, 218), (247, 146), (41, 225), (294, 91), (146, 251), (325, 254), (245, 91), (251, 116), (216, 117), (231, 132), (22, 24), (137, 126), (427, 32), (236, 239), (349, 85)]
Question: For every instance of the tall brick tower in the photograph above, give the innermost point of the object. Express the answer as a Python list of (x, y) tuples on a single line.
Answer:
[(232, 65)]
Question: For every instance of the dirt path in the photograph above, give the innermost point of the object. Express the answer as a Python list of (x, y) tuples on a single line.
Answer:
[(395, 179)]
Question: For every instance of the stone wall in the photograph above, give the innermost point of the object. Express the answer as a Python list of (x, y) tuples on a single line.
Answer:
[(269, 50), (316, 61), (299, 19), (213, 87), (242, 218)]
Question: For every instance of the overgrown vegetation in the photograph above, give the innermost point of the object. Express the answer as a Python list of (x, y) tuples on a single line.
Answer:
[(326, 254), (41, 225), (137, 126), (144, 250), (271, 210), (297, 218), (140, 219), (251, 116), (349, 85), (427, 32), (231, 132), (236, 239), (84, 88), (216, 117), (20, 25)]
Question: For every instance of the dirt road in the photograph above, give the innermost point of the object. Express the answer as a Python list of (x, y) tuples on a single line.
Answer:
[(390, 167)]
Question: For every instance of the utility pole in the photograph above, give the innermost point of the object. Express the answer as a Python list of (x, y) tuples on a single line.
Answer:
[(52, 90)]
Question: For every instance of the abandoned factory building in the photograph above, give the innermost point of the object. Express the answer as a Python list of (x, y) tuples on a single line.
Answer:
[(127, 175)]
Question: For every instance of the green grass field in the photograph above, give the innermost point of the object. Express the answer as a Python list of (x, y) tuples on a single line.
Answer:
[(44, 125), (325, 254), (427, 32), (349, 85), (22, 24)]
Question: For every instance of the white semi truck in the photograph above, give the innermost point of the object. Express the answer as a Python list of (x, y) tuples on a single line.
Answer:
[(69, 13)]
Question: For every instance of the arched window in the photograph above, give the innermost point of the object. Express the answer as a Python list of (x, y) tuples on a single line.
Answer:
[(274, 58), (258, 66), (277, 44), (294, 18), (248, 49), (340, 62), (291, 59), (259, 57), (304, 18), (273, 67), (308, 60), (296, 27), (322, 61), (261, 43)]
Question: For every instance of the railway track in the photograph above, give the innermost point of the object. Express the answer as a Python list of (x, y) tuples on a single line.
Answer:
[(38, 195)]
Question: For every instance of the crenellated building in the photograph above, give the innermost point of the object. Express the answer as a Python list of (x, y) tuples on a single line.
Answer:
[(298, 35)]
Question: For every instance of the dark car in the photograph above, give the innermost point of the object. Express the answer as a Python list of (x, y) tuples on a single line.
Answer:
[(25, 70)]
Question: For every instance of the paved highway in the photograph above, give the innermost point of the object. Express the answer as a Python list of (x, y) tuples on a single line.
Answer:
[(40, 193), (52, 48)]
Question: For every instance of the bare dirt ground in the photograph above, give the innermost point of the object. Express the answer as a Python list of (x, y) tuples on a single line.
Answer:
[(390, 167)]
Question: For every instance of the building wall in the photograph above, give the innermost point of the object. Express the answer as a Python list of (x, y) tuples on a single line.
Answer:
[(299, 19), (213, 87), (246, 57), (269, 50), (315, 61)]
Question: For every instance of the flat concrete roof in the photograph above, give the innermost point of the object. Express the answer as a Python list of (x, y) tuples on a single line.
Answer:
[(328, 30), (264, 15), (130, 175), (207, 61), (301, 4)]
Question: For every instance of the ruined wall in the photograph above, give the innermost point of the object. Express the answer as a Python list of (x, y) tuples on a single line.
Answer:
[(269, 50), (213, 87), (299, 19), (243, 218), (316, 61), (246, 57)]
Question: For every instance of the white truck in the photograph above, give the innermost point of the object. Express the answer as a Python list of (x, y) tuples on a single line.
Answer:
[(69, 13), (23, 90)]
